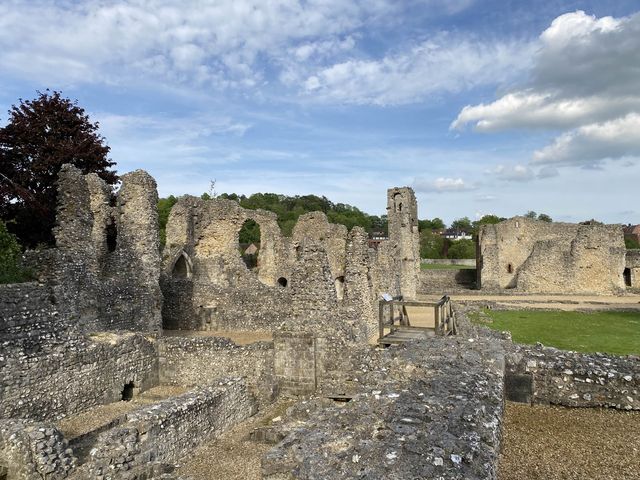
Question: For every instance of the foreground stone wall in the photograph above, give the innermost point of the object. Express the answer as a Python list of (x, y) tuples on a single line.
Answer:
[(540, 257), (428, 410), (170, 430), (549, 375)]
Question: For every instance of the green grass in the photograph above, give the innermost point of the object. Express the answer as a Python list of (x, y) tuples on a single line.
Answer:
[(607, 332), (429, 266)]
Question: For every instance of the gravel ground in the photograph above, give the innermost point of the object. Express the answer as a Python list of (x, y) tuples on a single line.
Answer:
[(95, 417), (549, 443), (232, 456)]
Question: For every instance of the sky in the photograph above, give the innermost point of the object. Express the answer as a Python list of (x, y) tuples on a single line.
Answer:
[(482, 106)]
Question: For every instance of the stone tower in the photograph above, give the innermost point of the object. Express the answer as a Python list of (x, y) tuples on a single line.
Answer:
[(402, 213)]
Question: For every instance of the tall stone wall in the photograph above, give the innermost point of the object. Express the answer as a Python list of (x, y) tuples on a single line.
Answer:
[(404, 240), (105, 269), (540, 257)]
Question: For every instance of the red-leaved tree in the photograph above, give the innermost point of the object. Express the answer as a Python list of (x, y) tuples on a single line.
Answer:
[(42, 135)]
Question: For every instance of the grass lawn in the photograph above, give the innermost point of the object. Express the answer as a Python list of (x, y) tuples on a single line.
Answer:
[(607, 332), (433, 266)]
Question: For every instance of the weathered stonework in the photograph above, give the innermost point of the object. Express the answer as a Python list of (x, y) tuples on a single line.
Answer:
[(539, 257), (632, 269), (446, 280)]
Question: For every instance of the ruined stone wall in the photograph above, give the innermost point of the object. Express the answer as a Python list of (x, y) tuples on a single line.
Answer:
[(632, 262), (404, 240), (446, 280), (105, 270), (192, 361), (33, 451), (171, 430), (539, 257), (549, 375)]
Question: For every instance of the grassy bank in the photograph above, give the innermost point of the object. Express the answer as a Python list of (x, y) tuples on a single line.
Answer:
[(610, 332)]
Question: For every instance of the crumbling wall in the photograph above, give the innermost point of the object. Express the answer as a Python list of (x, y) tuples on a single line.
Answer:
[(548, 375), (540, 257), (105, 270), (192, 361), (170, 430), (33, 451), (404, 241)]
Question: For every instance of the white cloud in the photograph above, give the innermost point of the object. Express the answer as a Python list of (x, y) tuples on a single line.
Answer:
[(445, 63), (223, 43), (441, 185), (584, 78), (512, 173), (591, 143)]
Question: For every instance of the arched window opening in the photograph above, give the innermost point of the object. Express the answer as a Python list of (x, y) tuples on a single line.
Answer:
[(509, 268), (111, 232), (397, 202), (249, 238), (282, 282), (339, 283), (298, 250), (181, 268), (127, 392), (626, 274)]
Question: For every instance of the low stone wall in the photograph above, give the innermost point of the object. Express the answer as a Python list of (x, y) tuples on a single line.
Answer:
[(446, 280), (468, 262), (61, 378), (548, 375), (192, 361), (169, 430), (33, 451)]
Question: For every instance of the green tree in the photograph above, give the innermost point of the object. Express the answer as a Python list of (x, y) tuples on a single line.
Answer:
[(543, 217), (531, 214), (10, 269), (631, 242), (435, 224), (40, 136), (164, 208), (462, 248), (486, 220), (463, 224), (431, 245)]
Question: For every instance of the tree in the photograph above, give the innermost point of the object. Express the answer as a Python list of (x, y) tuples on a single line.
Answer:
[(531, 214), (631, 242), (42, 135), (463, 224), (462, 248), (10, 269), (431, 244), (435, 224), (164, 209), (543, 217)]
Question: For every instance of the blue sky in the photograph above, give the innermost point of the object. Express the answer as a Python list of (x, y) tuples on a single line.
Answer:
[(481, 106)]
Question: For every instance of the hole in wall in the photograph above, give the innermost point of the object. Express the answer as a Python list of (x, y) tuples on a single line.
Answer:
[(127, 392), (181, 268), (339, 284), (626, 274), (111, 232), (282, 282), (249, 238), (397, 202), (4, 472), (509, 268)]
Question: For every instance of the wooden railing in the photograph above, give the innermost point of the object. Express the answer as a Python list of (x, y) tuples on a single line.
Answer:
[(444, 320)]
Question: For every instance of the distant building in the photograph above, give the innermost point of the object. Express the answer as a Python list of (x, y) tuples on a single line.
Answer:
[(454, 234), (375, 238), (251, 249)]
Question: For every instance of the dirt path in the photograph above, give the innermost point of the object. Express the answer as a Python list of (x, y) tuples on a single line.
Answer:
[(553, 443)]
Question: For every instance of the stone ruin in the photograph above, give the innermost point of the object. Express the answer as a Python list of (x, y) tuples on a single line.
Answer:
[(532, 256), (112, 317)]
